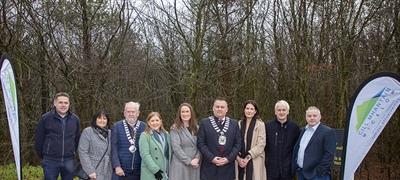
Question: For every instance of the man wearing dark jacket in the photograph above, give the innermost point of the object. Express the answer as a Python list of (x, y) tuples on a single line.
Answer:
[(125, 155), (56, 139), (315, 149), (219, 142), (282, 134)]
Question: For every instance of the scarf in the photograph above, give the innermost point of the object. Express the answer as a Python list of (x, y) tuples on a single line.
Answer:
[(102, 131), (245, 149)]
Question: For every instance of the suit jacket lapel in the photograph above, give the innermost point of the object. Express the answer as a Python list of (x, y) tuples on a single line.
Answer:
[(302, 133), (315, 134)]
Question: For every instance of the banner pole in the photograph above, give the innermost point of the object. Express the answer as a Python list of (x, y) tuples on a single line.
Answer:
[(11, 103)]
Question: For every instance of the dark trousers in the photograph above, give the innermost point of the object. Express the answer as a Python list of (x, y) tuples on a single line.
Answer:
[(300, 175), (279, 178), (132, 175), (52, 168)]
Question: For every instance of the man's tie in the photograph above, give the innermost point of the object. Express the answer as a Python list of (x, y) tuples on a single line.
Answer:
[(220, 121)]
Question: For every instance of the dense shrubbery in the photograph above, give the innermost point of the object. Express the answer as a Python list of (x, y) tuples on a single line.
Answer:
[(28, 172)]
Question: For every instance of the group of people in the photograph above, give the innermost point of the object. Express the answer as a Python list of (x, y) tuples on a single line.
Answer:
[(219, 148)]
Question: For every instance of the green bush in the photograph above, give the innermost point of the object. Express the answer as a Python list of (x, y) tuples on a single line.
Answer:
[(28, 172)]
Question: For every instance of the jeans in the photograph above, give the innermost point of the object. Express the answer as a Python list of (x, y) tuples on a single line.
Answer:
[(52, 168), (134, 175), (300, 175)]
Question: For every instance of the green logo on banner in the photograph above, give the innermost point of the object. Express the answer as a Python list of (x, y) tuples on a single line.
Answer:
[(365, 108)]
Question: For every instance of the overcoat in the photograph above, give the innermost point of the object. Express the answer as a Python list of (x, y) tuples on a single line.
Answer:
[(257, 153), (152, 154), (92, 146), (184, 150)]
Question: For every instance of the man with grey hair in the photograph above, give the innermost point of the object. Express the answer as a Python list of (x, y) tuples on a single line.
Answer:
[(125, 157), (282, 134)]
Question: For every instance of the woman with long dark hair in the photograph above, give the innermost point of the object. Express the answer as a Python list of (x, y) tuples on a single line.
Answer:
[(251, 158), (186, 157)]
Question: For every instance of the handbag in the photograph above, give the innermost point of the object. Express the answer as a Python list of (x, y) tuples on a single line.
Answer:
[(80, 173)]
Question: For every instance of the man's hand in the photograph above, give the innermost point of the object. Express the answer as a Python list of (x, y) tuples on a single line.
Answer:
[(219, 161), (216, 160), (223, 161), (119, 171)]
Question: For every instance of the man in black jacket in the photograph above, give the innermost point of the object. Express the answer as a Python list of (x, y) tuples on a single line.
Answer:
[(56, 139), (282, 134)]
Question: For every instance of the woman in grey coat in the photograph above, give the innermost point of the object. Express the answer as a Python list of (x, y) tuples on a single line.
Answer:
[(93, 144), (186, 157)]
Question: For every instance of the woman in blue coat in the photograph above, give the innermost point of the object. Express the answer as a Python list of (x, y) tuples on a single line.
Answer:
[(155, 149)]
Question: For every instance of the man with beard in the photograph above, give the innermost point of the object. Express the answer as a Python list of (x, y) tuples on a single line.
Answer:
[(125, 157)]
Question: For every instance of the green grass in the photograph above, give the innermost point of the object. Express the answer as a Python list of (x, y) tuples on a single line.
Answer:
[(9, 172)]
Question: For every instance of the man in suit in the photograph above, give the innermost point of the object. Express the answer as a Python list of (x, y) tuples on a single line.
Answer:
[(219, 141), (315, 149)]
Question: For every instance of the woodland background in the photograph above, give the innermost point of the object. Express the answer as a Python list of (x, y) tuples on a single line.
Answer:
[(162, 53)]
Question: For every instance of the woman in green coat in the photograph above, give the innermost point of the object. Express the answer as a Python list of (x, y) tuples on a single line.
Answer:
[(155, 149)]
